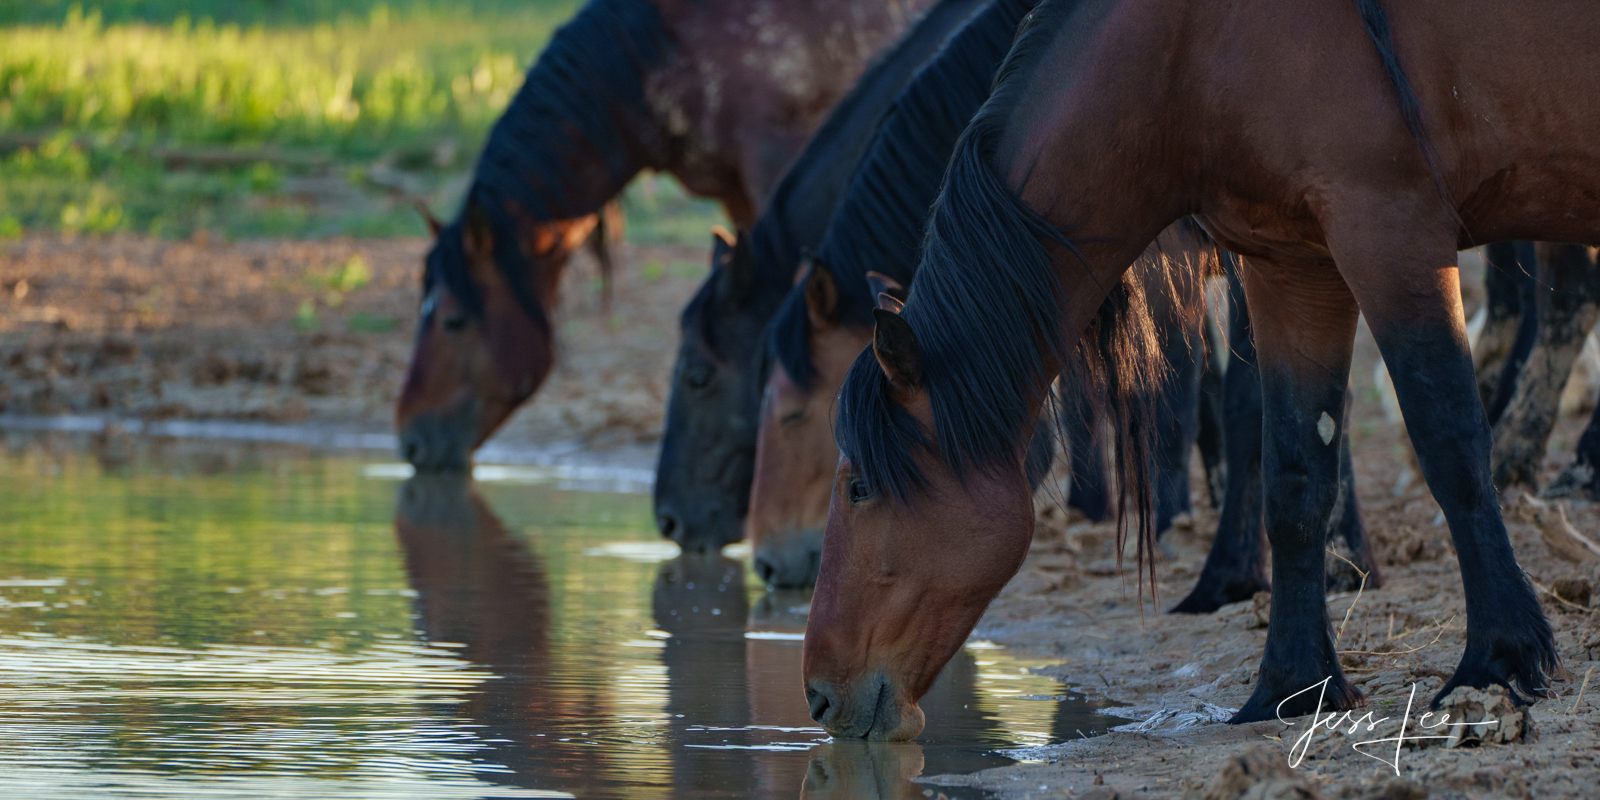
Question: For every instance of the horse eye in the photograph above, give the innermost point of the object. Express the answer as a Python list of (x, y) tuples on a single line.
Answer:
[(792, 417), (455, 324), (699, 379), (858, 491)]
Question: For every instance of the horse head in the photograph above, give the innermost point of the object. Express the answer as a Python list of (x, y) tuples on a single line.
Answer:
[(795, 452), (706, 454), (913, 552), (484, 342)]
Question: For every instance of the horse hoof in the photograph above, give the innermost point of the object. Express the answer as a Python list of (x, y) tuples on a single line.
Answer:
[(1296, 698), (1578, 480), (1211, 594), (1526, 661)]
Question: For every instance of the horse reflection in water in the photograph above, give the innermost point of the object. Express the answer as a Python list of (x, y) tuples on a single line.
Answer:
[(480, 586), (737, 697), (700, 600), (849, 769)]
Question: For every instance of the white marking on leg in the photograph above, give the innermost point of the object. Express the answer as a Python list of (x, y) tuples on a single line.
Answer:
[(1325, 428)]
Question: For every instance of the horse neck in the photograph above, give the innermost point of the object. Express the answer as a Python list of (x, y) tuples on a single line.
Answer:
[(1065, 153), (580, 127)]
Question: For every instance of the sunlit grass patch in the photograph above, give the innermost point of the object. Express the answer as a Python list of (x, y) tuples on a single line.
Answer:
[(258, 118)]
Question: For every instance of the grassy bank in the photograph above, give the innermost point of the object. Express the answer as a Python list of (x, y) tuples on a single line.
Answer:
[(264, 117)]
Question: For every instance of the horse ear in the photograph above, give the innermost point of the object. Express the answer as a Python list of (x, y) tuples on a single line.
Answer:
[(477, 236), (880, 283), (822, 294), (734, 270), (427, 216), (890, 303), (895, 346), (721, 236)]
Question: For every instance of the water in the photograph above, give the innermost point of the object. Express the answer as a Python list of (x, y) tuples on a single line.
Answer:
[(188, 620)]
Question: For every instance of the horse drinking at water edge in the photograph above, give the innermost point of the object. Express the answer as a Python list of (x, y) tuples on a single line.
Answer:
[(1346, 153), (719, 93)]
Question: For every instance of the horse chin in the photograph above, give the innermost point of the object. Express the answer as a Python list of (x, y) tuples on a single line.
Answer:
[(908, 721), (442, 441), (789, 559)]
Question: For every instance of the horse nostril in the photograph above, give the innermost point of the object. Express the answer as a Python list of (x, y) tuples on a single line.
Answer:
[(820, 706), (412, 452), (764, 569), (670, 528)]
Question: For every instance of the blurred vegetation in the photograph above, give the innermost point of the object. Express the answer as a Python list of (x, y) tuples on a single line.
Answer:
[(267, 117)]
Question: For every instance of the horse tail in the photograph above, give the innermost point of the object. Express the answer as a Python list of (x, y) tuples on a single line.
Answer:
[(1376, 22)]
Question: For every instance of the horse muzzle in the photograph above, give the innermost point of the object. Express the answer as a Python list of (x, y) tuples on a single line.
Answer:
[(441, 441), (790, 559), (698, 527), (866, 708)]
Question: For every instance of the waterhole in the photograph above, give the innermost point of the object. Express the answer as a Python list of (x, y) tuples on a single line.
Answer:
[(191, 619)]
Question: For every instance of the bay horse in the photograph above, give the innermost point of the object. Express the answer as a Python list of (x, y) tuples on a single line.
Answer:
[(720, 93), (703, 474), (870, 245), (1347, 153)]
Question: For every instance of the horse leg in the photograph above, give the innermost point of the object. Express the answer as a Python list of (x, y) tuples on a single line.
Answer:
[(1348, 524), (1235, 568), (1178, 423), (1089, 492), (1567, 308), (1306, 320), (1582, 476), (1509, 324), (1209, 436), (1415, 314)]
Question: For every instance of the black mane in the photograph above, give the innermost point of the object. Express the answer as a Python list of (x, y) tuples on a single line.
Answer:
[(985, 309), (581, 110), (878, 226)]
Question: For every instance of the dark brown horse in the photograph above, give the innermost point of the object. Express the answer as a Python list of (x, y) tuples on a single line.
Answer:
[(1347, 154), (721, 94), (703, 477)]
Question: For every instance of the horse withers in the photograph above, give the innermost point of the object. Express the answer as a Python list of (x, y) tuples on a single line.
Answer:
[(1347, 169), (625, 86)]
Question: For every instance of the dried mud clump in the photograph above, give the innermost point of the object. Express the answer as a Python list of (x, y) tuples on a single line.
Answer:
[(1259, 774), (1482, 717)]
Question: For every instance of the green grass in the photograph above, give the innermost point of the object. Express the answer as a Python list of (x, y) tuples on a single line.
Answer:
[(266, 117)]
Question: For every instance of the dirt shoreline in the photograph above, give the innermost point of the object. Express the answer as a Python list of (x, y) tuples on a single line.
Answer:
[(307, 332), (292, 332)]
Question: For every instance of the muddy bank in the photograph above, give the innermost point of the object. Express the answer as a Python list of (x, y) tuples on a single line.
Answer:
[(1178, 674), (305, 332)]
